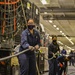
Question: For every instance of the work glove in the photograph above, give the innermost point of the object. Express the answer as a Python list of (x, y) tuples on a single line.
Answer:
[(61, 65), (37, 47), (31, 48)]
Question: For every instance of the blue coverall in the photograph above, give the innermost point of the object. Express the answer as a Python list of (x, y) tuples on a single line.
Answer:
[(27, 60)]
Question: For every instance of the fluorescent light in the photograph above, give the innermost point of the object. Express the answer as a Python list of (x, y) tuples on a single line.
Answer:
[(72, 49), (60, 42), (72, 43), (50, 21), (69, 47), (60, 31), (43, 1), (57, 28), (64, 35), (69, 40), (54, 25)]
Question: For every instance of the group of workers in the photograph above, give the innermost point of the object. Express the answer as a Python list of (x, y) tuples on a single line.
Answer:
[(30, 39)]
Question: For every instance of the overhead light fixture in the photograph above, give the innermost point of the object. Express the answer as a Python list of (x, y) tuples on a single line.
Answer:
[(54, 25), (68, 47), (57, 28), (64, 35), (60, 31), (70, 39), (71, 42), (72, 49), (43, 1), (50, 21), (60, 42)]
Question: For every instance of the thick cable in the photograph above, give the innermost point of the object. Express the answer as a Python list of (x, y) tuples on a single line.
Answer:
[(11, 56), (37, 69), (51, 57), (60, 54)]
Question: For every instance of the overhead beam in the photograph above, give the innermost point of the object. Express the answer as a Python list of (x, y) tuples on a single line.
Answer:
[(56, 10), (58, 17), (63, 36)]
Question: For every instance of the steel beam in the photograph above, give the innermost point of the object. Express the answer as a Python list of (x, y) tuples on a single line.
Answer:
[(64, 36), (56, 10), (58, 17)]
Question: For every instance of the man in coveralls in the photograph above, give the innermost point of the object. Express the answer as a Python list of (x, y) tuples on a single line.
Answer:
[(52, 49), (30, 39)]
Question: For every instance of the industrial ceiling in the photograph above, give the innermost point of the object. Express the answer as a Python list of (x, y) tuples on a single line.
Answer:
[(58, 18)]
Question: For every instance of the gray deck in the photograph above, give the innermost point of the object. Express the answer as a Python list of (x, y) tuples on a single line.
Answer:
[(71, 71)]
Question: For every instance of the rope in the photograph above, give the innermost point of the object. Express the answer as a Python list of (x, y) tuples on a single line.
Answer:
[(60, 55), (8, 57), (11, 56), (51, 57), (37, 69), (18, 53)]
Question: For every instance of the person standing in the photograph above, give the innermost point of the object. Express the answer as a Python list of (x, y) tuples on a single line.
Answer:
[(30, 39), (71, 62), (64, 52), (52, 49), (74, 57)]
